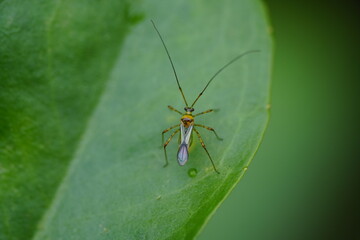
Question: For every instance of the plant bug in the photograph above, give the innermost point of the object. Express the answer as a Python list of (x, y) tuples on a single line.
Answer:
[(187, 121)]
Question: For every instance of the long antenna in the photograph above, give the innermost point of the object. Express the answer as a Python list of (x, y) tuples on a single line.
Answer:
[(220, 70), (172, 64)]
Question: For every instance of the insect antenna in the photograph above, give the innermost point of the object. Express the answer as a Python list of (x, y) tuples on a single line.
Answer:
[(172, 64), (220, 70)]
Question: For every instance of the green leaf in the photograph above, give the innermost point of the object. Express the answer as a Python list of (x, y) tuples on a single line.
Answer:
[(83, 102)]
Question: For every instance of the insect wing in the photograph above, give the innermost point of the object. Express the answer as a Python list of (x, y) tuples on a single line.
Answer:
[(185, 134), (183, 152)]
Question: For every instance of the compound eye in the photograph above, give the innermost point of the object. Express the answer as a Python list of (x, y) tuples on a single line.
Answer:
[(191, 109)]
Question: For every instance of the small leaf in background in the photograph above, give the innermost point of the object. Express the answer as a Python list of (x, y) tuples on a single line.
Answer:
[(82, 115)]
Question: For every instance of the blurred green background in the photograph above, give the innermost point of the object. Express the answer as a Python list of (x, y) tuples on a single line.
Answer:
[(302, 182)]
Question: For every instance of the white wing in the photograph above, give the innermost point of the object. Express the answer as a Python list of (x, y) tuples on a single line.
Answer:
[(183, 152), (185, 134)]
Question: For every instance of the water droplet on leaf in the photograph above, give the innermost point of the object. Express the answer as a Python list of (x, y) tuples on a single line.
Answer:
[(192, 172)]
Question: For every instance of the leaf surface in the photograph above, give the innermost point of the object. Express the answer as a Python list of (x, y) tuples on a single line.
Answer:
[(81, 142)]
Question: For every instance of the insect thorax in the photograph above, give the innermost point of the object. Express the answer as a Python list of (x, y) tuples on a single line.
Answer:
[(187, 120)]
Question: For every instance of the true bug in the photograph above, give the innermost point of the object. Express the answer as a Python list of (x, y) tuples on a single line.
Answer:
[(187, 124)]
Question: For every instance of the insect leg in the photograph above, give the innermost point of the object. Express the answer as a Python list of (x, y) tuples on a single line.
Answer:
[(203, 145), (210, 129), (207, 111), (175, 110), (166, 143), (165, 131)]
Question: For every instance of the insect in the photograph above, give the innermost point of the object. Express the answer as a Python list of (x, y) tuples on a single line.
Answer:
[(187, 121)]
